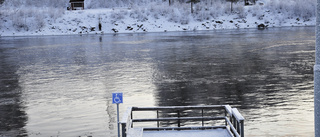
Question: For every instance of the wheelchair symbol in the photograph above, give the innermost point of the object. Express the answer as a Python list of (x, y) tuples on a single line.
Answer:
[(117, 98)]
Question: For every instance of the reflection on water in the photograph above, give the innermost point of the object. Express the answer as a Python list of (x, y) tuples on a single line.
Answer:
[(12, 111), (269, 79), (62, 85)]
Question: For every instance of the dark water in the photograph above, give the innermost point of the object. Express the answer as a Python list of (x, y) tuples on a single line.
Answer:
[(62, 85)]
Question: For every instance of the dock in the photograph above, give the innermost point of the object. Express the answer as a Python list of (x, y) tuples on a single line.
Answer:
[(183, 121)]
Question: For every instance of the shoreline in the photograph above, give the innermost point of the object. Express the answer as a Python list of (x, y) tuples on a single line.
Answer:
[(128, 33), (119, 21)]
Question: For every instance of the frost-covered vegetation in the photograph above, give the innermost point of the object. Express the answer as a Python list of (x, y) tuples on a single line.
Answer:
[(35, 15)]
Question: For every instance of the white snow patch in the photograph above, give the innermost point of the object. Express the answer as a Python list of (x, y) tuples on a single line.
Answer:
[(135, 132), (188, 133), (237, 114)]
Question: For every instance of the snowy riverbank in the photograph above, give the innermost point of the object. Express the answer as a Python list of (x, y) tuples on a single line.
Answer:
[(155, 18)]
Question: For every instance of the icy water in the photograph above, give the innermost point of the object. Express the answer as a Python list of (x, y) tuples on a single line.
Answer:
[(62, 85)]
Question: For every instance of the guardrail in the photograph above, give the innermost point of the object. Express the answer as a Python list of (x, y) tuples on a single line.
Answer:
[(233, 120)]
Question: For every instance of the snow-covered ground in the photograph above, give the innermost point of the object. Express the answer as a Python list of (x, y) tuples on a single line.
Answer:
[(187, 133), (156, 17)]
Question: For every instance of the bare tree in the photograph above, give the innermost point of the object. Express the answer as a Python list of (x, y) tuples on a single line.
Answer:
[(193, 2), (232, 1)]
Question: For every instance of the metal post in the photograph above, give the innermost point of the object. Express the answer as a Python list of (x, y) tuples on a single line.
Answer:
[(225, 114), (202, 117), (178, 118), (242, 128), (131, 116), (234, 123), (118, 120), (157, 118), (317, 76), (238, 127), (124, 126)]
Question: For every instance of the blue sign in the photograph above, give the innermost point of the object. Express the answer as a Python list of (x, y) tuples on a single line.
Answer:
[(117, 98)]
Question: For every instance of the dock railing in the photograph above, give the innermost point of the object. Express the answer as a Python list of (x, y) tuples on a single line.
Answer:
[(233, 120)]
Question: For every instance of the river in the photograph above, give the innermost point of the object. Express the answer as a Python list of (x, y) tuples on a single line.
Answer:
[(62, 85)]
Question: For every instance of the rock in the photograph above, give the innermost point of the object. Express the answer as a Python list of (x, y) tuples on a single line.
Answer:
[(244, 21), (262, 26), (92, 28), (261, 17), (114, 30), (83, 27), (129, 28), (220, 22), (139, 27)]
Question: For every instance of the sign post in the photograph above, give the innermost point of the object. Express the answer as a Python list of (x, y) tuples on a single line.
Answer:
[(117, 98)]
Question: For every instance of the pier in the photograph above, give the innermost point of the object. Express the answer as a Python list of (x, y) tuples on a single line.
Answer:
[(186, 121)]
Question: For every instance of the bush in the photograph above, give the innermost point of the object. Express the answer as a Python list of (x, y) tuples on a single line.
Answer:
[(140, 14), (301, 8), (118, 15), (19, 21)]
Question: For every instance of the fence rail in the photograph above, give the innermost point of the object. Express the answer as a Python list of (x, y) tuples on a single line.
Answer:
[(234, 121)]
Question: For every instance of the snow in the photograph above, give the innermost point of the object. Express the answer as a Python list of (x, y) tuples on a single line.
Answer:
[(237, 114), (126, 115), (229, 109), (155, 16), (135, 132), (188, 133)]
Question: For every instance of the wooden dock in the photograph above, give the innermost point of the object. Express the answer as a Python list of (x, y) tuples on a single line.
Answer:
[(184, 121)]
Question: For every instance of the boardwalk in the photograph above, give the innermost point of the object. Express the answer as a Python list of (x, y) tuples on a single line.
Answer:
[(214, 120)]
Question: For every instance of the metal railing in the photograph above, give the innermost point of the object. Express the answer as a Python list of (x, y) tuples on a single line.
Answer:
[(233, 120)]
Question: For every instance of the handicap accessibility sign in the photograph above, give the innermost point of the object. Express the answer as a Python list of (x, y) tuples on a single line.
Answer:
[(117, 98)]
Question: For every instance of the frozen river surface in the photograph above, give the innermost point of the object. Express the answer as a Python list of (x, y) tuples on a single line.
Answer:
[(62, 85)]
